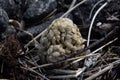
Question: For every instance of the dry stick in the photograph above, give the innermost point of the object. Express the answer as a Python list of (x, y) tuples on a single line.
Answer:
[(49, 15), (104, 45), (78, 72), (94, 8), (63, 71), (73, 8), (47, 28), (110, 35), (72, 4), (44, 65), (35, 38), (24, 66), (29, 69), (30, 62), (36, 64), (93, 19), (111, 65)]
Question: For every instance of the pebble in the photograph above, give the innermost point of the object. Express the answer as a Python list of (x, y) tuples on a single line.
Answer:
[(38, 10), (3, 22), (13, 7)]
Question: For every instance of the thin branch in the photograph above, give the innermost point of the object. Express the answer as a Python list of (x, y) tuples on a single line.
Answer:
[(78, 72), (104, 45), (93, 19), (35, 38), (73, 8), (94, 8), (62, 71), (72, 5), (29, 69), (44, 65)]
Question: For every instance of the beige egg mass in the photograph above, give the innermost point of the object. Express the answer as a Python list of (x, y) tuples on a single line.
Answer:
[(60, 39)]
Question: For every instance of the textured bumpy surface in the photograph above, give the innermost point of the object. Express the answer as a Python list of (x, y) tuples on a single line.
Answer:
[(61, 38)]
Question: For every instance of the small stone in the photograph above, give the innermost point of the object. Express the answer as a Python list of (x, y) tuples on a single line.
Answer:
[(3, 23), (38, 10), (4, 19), (14, 8)]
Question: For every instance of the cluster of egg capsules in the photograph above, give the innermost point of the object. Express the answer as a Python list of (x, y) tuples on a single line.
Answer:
[(60, 39)]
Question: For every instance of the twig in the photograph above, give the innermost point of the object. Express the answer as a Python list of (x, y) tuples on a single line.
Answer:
[(73, 8), (72, 4), (29, 69), (35, 38), (78, 72), (93, 19), (49, 15), (35, 62), (104, 45), (94, 8), (44, 65), (62, 71), (30, 62)]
